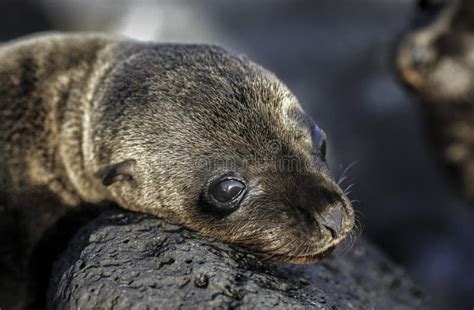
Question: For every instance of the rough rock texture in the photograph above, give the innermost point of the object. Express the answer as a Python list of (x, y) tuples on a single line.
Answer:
[(133, 261)]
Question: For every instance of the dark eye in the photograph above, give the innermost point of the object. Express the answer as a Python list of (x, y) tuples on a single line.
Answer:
[(319, 140), (226, 193)]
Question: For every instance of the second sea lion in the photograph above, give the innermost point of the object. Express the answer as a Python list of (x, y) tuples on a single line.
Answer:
[(436, 61)]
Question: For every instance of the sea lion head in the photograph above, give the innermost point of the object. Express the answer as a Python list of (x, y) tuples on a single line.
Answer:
[(209, 140), (435, 59)]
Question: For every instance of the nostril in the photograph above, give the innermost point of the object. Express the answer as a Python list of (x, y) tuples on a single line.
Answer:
[(418, 57), (420, 54), (332, 220), (331, 230)]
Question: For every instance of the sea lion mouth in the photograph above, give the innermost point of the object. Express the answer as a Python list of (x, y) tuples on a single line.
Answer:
[(305, 259), (309, 259), (411, 78), (415, 82), (407, 74)]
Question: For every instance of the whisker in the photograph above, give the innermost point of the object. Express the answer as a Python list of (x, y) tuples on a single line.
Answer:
[(340, 180), (343, 176), (348, 188), (341, 249)]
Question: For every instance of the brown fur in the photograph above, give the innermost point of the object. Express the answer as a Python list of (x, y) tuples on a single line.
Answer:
[(436, 61), (92, 119)]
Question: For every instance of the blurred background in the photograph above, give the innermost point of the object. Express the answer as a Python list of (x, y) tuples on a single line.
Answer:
[(336, 56)]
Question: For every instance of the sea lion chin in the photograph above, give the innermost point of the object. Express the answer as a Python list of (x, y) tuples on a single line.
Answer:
[(194, 134)]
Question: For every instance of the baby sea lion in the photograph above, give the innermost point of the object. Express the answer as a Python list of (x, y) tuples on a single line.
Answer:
[(436, 61), (193, 134)]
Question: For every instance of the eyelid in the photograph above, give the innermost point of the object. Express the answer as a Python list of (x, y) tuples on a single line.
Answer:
[(321, 134), (305, 122)]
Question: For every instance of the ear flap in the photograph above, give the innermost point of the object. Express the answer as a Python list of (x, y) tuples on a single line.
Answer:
[(122, 171)]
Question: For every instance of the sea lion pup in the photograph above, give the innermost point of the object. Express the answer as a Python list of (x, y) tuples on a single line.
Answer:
[(436, 61), (193, 134)]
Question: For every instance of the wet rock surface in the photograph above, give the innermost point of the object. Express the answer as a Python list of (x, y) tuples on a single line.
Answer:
[(133, 261)]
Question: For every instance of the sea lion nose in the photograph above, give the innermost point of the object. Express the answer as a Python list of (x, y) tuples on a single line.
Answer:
[(418, 56), (419, 52), (332, 220)]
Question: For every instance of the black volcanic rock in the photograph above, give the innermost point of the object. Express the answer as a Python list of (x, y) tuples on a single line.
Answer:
[(125, 260)]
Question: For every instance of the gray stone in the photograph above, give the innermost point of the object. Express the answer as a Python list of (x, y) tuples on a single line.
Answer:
[(125, 260)]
